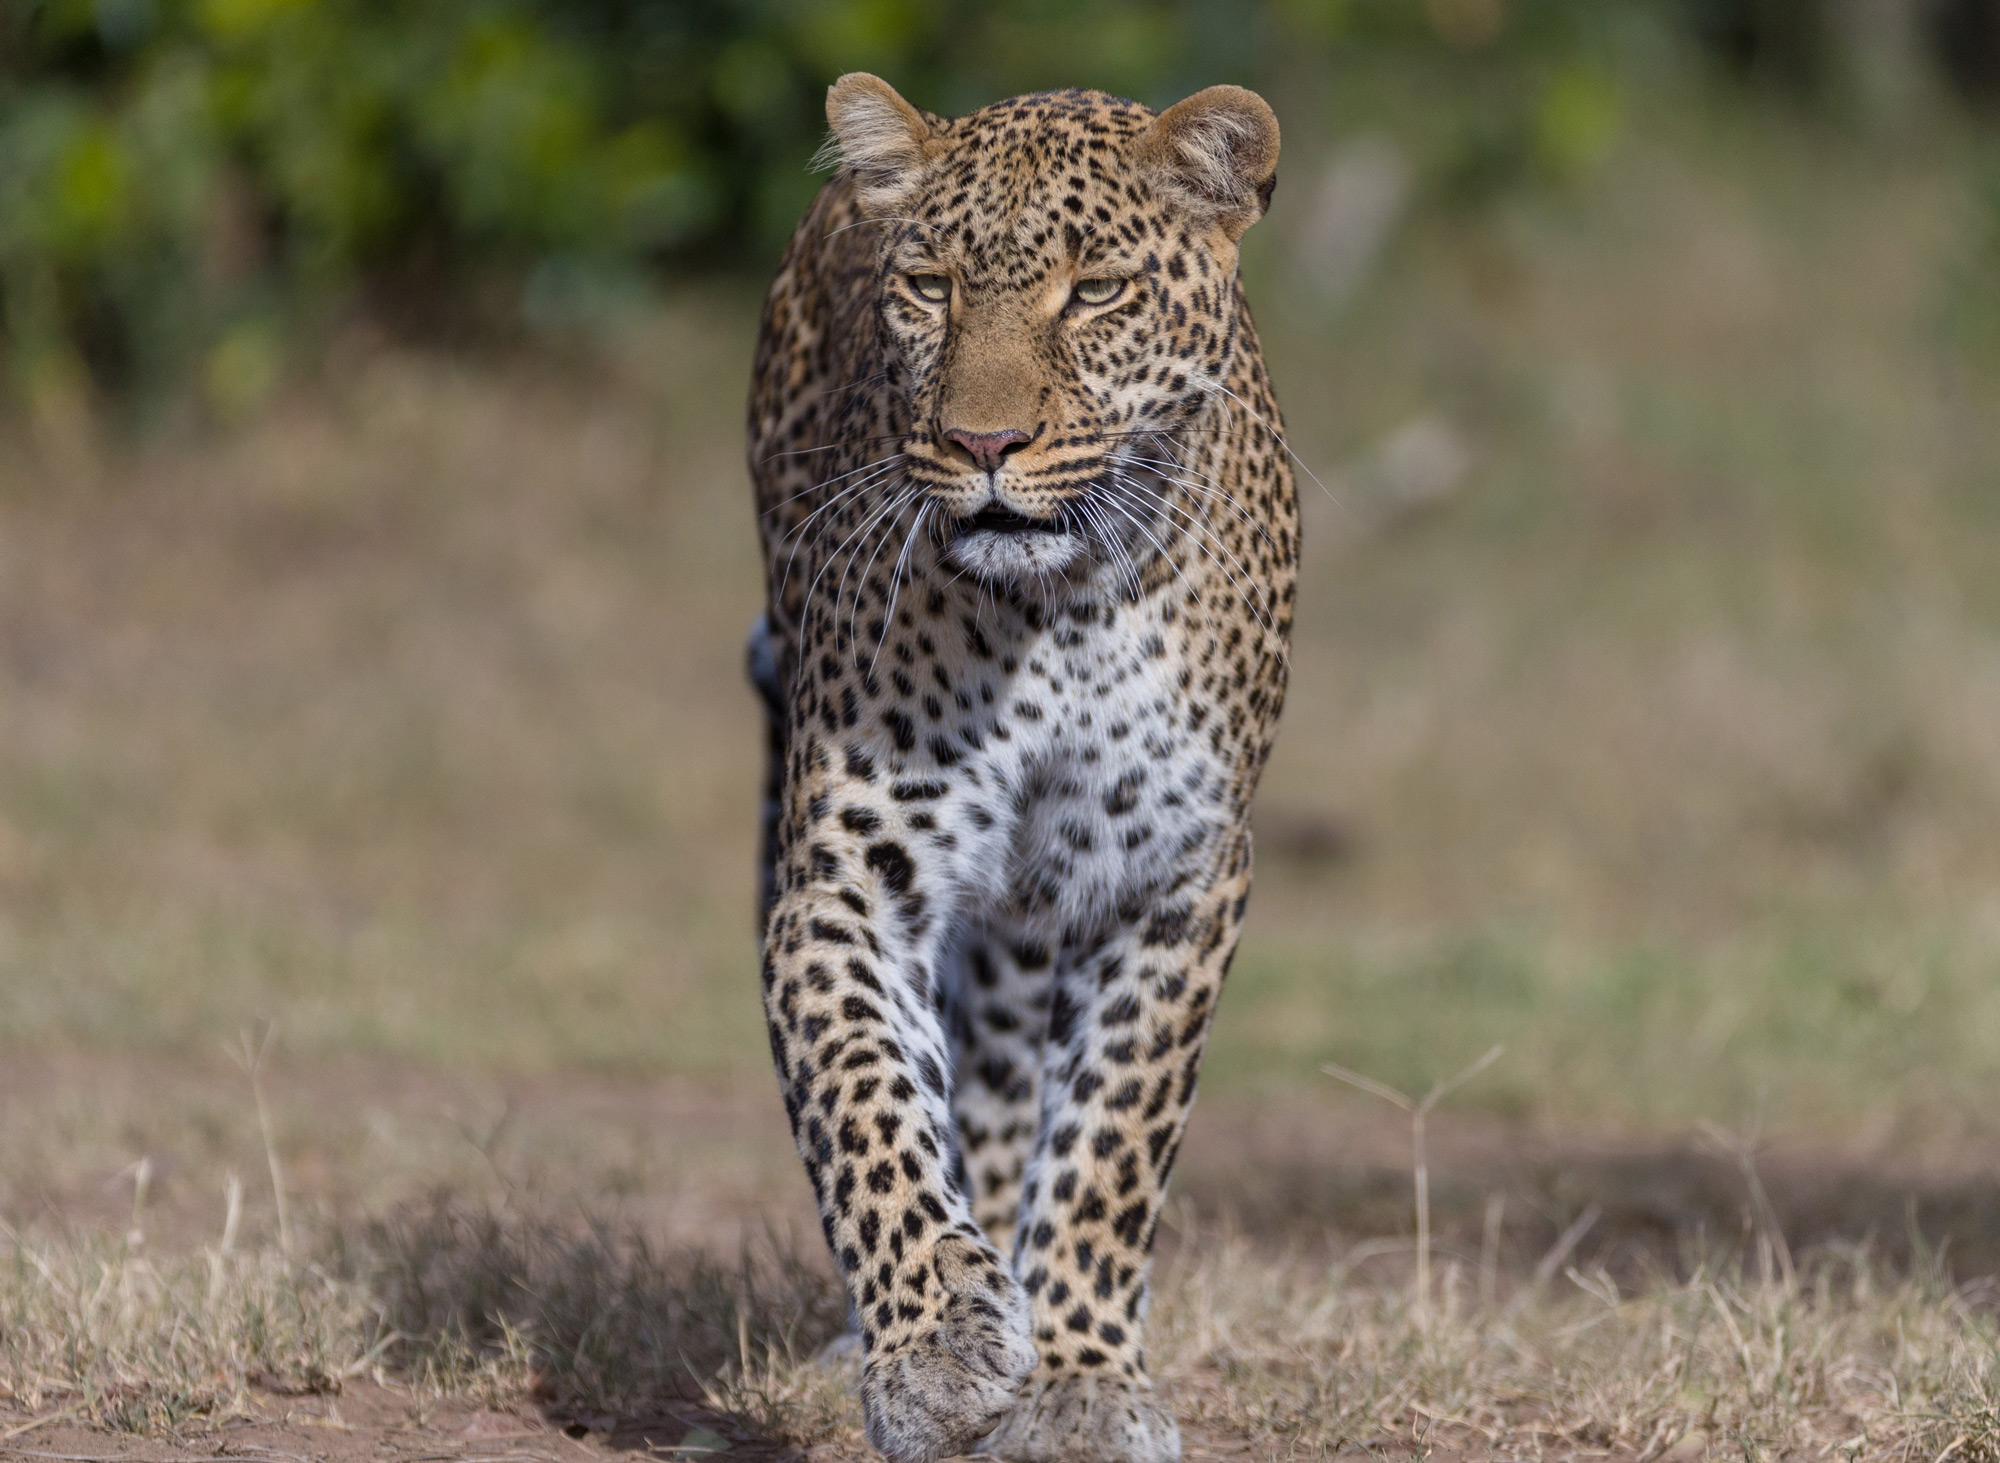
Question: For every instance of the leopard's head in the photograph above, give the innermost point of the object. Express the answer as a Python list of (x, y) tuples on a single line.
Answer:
[(1055, 286)]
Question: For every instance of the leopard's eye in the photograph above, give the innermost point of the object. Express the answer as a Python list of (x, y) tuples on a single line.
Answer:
[(933, 287), (1098, 291)]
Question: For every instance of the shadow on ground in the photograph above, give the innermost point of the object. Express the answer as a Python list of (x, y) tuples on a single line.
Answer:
[(1341, 1176)]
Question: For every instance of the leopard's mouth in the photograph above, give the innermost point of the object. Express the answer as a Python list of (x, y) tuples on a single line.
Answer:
[(1001, 544), (995, 519)]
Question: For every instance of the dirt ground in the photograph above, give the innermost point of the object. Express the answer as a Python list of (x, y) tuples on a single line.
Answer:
[(370, 1421), (710, 1165)]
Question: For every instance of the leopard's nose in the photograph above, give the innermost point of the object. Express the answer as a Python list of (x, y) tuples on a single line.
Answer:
[(987, 449)]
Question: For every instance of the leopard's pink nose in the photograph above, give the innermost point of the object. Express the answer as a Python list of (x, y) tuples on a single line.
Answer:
[(987, 449)]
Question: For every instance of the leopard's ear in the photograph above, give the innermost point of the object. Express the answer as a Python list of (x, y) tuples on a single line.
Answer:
[(1218, 150), (878, 137)]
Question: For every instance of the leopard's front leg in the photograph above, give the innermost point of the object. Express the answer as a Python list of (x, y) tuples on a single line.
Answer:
[(850, 957), (1000, 1011), (1124, 1045)]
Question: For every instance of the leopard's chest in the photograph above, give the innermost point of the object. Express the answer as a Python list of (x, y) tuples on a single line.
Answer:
[(1095, 780)]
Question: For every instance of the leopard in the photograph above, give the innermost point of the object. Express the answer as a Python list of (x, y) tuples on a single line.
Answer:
[(1030, 545)]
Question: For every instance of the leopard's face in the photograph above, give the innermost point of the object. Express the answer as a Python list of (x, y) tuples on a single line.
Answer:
[(1051, 293)]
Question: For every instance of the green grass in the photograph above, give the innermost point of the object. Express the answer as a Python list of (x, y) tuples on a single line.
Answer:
[(1788, 1023), (409, 715), (1664, 749)]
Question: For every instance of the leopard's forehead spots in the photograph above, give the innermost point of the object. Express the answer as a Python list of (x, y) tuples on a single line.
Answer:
[(1036, 183)]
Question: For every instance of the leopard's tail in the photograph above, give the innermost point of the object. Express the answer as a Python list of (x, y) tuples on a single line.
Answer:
[(761, 661)]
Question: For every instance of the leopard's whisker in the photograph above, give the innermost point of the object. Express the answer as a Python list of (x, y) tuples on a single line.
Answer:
[(829, 482), (845, 494), (896, 500), (856, 385), (868, 531), (1194, 595), (841, 446), (1105, 531), (896, 583), (1134, 576), (861, 588), (1173, 473), (1194, 530), (883, 219), (1169, 472), (1276, 435), (1199, 492)]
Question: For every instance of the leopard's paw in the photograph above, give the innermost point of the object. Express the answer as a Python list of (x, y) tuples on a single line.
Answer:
[(937, 1391), (1086, 1419)]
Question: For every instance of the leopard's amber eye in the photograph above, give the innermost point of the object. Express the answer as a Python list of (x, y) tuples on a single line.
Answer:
[(1098, 291), (933, 287)]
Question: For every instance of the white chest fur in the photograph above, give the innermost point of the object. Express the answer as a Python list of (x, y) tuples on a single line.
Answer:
[(1088, 781)]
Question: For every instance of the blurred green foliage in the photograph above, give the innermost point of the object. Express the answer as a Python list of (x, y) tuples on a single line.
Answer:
[(184, 183)]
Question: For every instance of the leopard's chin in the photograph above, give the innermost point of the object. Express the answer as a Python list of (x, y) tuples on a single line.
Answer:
[(997, 543), (1015, 556)]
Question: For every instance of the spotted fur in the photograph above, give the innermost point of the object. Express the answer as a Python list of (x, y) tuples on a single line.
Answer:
[(1030, 539)]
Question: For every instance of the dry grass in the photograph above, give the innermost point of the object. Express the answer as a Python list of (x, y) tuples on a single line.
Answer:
[(146, 1343), (602, 1320), (1843, 1362), (1296, 1358)]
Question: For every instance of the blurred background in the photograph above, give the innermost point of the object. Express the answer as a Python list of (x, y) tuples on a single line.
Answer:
[(376, 551)]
